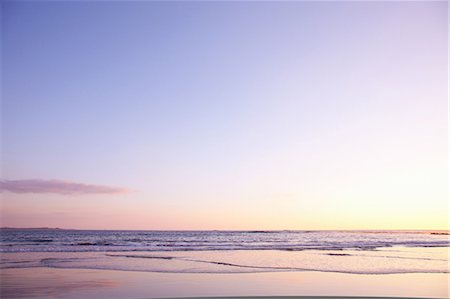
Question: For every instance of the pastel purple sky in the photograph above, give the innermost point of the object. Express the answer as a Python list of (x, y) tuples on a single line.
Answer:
[(225, 115)]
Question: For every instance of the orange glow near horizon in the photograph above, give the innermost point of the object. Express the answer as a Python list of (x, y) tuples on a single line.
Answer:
[(225, 115)]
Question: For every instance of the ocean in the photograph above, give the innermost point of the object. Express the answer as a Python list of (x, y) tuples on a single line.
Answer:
[(357, 252)]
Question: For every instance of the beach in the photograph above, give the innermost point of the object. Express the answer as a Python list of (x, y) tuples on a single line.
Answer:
[(161, 264), (81, 283)]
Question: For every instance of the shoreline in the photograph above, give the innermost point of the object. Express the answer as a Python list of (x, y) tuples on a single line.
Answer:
[(389, 261)]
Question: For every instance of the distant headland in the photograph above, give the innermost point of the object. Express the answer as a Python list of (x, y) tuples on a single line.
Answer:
[(32, 228)]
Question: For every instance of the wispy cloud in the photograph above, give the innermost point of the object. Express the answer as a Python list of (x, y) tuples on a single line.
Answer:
[(57, 187)]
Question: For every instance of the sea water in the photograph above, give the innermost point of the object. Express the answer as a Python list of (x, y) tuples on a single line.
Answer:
[(361, 252)]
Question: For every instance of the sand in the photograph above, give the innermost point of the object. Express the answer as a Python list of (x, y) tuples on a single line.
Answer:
[(40, 282)]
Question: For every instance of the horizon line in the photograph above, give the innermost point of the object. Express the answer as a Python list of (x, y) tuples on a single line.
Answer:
[(224, 230)]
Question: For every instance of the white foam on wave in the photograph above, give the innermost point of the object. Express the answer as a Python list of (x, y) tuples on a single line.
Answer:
[(114, 241), (400, 260)]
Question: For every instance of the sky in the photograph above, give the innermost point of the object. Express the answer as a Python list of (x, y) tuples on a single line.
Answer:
[(225, 115)]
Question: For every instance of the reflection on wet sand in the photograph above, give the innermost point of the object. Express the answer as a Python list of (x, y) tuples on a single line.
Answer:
[(44, 283), (40, 282)]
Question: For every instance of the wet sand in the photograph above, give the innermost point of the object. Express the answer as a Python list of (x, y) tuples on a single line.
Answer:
[(41, 282)]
